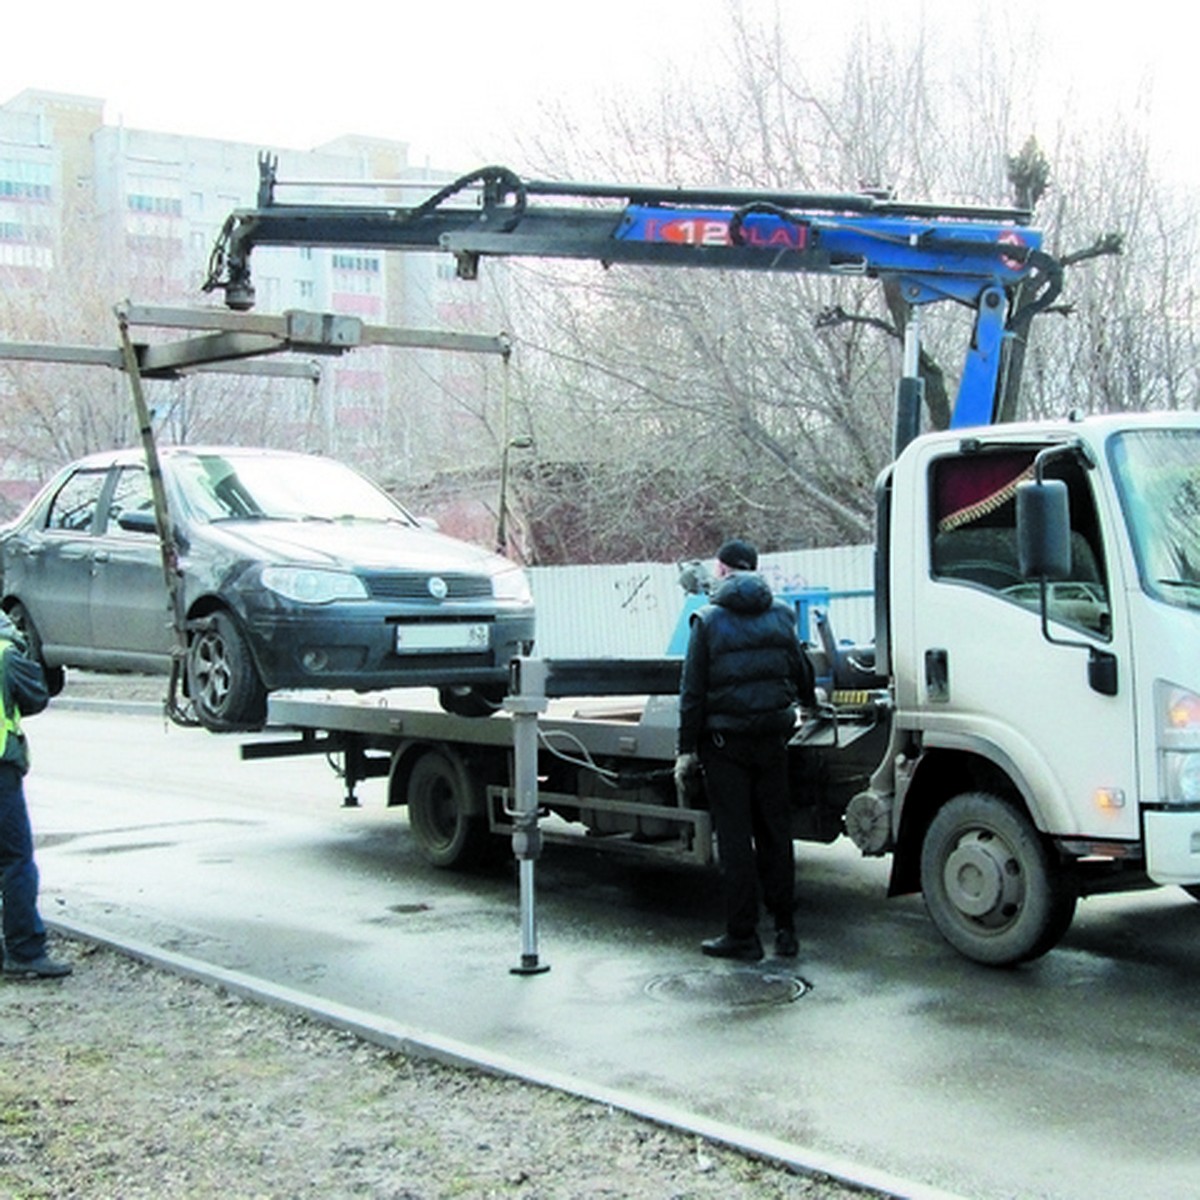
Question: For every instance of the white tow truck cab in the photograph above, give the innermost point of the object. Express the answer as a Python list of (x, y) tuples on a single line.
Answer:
[(1039, 617)]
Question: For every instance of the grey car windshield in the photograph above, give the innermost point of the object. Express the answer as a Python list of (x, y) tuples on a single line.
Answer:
[(1158, 477), (221, 488)]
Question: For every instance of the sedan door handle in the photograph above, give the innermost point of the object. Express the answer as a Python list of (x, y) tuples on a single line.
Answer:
[(100, 556)]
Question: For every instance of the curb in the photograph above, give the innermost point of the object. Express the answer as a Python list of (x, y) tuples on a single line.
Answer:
[(105, 704), (391, 1035)]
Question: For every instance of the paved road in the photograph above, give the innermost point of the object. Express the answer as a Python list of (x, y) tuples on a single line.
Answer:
[(1070, 1078)]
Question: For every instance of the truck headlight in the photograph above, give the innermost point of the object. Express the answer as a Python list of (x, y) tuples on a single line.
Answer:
[(1181, 773), (309, 585), (1178, 712)]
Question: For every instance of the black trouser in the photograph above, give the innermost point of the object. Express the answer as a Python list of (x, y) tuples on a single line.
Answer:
[(747, 785)]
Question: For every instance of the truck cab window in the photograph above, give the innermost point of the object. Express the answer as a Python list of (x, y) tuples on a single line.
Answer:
[(974, 535)]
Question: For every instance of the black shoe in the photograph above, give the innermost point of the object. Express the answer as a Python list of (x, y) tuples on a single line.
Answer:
[(786, 945), (747, 949), (42, 967)]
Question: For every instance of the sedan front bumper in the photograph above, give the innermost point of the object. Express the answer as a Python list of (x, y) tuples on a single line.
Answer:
[(369, 646)]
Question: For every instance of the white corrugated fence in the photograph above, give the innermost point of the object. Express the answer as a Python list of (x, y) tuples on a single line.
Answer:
[(633, 610)]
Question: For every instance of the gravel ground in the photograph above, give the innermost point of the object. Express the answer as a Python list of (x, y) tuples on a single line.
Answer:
[(125, 1081)]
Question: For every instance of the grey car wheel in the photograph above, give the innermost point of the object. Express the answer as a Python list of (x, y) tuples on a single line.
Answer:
[(223, 682), (477, 701), (19, 616)]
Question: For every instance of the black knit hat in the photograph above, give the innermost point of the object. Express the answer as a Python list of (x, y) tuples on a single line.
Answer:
[(739, 554)]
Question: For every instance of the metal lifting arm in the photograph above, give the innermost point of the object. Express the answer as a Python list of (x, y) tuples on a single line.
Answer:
[(977, 257)]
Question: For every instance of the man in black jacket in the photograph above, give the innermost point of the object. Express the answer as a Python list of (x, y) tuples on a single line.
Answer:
[(22, 693), (743, 677)]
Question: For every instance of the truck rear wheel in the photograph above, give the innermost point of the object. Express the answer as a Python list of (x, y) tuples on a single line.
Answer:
[(990, 883), (445, 812)]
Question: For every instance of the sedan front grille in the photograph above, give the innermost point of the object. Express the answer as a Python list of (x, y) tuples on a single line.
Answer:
[(391, 586)]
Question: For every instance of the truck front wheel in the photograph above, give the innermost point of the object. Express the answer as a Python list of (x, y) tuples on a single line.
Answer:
[(444, 814), (990, 883)]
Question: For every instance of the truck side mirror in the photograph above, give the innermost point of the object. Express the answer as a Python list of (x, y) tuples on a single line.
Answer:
[(1044, 529), (1044, 554)]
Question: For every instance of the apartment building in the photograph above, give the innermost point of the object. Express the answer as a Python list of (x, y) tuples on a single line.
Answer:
[(93, 213)]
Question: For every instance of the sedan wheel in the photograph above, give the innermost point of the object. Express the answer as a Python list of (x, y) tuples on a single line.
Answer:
[(223, 682), (478, 701), (55, 676)]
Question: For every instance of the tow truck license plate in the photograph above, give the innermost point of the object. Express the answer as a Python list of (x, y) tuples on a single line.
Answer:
[(414, 638)]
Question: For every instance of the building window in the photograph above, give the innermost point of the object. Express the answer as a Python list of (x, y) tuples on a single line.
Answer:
[(163, 206), (356, 262), (21, 180)]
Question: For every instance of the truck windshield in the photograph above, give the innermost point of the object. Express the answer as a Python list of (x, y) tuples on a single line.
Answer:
[(1158, 478)]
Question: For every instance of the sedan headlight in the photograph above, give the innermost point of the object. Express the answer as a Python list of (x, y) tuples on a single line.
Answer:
[(512, 585), (308, 585)]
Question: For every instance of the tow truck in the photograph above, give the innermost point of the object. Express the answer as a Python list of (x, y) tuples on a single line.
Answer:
[(1024, 729)]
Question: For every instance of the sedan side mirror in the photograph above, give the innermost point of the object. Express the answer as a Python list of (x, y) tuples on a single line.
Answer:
[(133, 521)]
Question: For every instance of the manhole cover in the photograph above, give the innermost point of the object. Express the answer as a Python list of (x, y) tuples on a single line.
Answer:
[(738, 988)]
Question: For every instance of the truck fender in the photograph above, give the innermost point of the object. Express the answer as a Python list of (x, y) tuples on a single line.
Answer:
[(406, 756), (943, 770)]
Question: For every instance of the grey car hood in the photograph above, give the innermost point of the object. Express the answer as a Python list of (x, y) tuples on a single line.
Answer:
[(374, 545)]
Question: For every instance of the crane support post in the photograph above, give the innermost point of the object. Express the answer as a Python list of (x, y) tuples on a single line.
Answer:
[(526, 701)]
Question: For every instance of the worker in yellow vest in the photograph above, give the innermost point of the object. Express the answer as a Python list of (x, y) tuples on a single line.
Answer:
[(22, 693)]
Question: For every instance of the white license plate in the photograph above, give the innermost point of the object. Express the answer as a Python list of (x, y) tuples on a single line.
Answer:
[(413, 638)]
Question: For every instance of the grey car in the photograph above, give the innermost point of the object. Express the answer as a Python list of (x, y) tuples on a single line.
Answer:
[(294, 571)]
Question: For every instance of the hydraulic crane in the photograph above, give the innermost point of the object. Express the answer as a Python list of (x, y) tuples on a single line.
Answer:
[(988, 259)]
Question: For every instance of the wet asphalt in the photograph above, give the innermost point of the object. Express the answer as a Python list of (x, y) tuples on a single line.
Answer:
[(878, 1048)]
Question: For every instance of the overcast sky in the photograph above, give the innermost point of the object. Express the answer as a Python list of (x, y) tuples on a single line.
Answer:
[(462, 80)]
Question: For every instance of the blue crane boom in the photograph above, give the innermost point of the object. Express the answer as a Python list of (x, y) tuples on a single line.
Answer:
[(988, 259)]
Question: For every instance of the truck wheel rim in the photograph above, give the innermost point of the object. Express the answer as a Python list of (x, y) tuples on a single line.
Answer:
[(983, 878)]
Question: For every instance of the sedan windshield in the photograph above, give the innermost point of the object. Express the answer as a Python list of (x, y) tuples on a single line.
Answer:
[(253, 487), (1158, 476)]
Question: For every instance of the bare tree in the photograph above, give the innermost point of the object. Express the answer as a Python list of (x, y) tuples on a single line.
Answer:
[(781, 388)]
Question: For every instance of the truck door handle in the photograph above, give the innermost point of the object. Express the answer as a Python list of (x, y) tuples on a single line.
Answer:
[(937, 676)]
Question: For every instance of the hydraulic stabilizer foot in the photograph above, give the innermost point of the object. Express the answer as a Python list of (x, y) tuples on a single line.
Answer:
[(529, 966)]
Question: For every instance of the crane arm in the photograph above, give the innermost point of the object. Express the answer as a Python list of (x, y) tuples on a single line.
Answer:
[(974, 256)]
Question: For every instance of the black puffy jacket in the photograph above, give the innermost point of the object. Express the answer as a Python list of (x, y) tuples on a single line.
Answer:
[(745, 669)]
